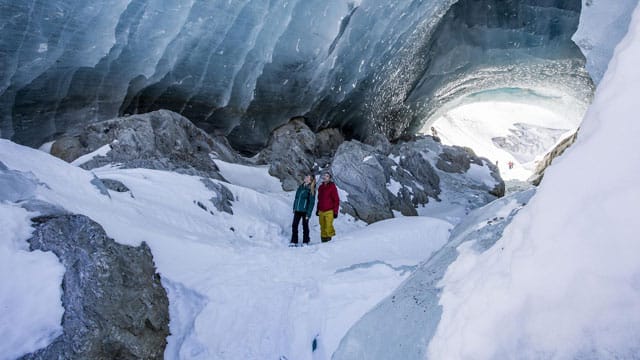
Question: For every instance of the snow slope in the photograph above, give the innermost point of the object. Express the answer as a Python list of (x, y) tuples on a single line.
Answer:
[(564, 281), (236, 290), (504, 131)]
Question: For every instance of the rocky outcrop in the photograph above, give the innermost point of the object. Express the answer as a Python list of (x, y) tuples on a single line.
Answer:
[(377, 184), (364, 174), (327, 143), (457, 159), (290, 153), (382, 177), (294, 150), (115, 306), (160, 140), (224, 196), (115, 185), (543, 164)]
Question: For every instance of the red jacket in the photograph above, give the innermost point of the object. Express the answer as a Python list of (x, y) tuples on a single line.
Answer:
[(328, 197)]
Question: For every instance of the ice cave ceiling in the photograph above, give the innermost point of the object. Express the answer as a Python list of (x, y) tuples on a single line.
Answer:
[(244, 67)]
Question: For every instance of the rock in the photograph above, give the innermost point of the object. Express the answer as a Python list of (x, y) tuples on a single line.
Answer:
[(290, 153), (115, 185), (67, 148), (379, 180), (327, 143), (160, 140), (456, 159), (97, 182), (377, 184), (359, 170), (542, 165), (413, 161), (224, 198), (380, 143), (500, 188), (115, 305)]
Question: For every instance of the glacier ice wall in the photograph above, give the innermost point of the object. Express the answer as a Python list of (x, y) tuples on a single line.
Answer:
[(242, 68), (602, 25)]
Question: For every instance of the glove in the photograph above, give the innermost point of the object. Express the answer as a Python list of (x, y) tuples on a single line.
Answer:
[(335, 215), (317, 212)]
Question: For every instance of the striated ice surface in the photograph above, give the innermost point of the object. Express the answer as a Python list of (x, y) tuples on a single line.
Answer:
[(242, 68), (602, 25)]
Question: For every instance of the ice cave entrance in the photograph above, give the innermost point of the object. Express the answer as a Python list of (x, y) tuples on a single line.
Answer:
[(509, 125)]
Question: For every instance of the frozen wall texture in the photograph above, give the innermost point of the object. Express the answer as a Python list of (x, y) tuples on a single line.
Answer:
[(242, 68)]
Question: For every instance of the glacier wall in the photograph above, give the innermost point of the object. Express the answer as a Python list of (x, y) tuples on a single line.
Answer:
[(242, 68), (602, 25)]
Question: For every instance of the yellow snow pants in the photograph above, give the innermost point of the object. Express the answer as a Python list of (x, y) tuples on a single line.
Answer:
[(326, 224)]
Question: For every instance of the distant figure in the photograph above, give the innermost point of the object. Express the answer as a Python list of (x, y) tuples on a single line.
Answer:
[(328, 206), (302, 209), (496, 163), (510, 165), (434, 132)]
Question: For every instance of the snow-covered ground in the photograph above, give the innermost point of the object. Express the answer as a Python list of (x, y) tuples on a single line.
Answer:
[(236, 290), (504, 131)]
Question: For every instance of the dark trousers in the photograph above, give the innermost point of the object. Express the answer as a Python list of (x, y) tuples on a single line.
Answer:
[(305, 227)]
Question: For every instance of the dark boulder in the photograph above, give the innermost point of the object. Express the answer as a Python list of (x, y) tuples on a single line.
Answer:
[(363, 174), (543, 164), (382, 178), (290, 153), (115, 305), (161, 140)]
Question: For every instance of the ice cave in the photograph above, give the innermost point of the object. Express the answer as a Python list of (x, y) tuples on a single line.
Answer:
[(184, 126)]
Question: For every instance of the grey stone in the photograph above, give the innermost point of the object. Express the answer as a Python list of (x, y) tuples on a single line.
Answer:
[(224, 198), (67, 148), (327, 142), (455, 159), (546, 161), (115, 305), (368, 174), (380, 143), (500, 188), (161, 140), (290, 153), (358, 170), (413, 161), (115, 185), (100, 185)]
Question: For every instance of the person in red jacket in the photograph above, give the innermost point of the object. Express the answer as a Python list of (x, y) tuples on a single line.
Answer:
[(328, 206)]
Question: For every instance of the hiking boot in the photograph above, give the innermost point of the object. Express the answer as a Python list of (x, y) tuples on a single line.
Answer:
[(293, 244), (326, 239)]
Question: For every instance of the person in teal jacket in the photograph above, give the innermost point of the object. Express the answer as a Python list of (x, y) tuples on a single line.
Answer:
[(302, 209)]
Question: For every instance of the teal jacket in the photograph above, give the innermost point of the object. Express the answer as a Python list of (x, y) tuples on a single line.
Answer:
[(304, 201)]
